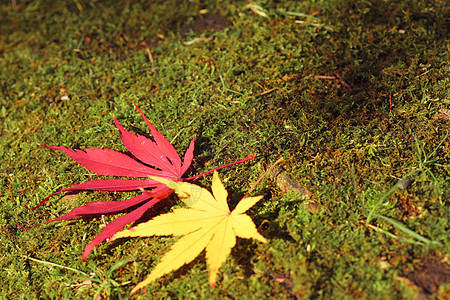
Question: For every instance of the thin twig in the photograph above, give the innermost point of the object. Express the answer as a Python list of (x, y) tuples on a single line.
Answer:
[(262, 176)]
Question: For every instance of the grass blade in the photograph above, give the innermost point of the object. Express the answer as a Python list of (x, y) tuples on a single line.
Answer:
[(56, 265), (406, 230)]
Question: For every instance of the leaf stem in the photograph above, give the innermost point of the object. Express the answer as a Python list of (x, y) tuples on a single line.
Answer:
[(221, 167), (43, 201)]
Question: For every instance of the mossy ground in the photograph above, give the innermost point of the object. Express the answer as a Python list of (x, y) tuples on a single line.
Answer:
[(354, 95)]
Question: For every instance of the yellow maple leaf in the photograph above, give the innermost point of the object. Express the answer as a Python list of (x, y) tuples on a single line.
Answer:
[(206, 224)]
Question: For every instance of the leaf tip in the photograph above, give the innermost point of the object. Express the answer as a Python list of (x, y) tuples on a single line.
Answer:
[(170, 184)]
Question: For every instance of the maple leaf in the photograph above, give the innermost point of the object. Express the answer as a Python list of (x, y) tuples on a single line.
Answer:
[(149, 158), (206, 224)]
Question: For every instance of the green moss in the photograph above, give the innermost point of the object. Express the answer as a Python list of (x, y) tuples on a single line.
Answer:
[(340, 89)]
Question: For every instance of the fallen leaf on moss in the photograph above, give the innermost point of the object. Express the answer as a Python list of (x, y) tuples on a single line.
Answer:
[(149, 158), (207, 223)]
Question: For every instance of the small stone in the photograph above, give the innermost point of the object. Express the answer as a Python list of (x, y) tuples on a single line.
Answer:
[(443, 114), (404, 184)]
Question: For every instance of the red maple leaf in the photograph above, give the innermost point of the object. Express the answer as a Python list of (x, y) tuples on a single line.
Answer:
[(155, 157)]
